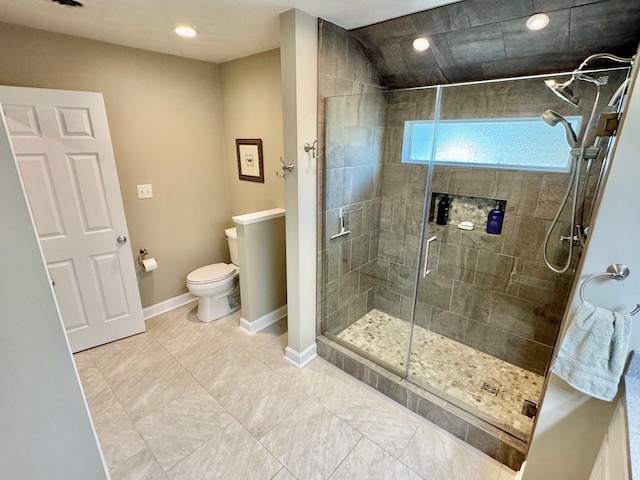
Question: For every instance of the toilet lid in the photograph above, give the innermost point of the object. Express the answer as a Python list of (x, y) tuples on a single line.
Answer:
[(211, 273)]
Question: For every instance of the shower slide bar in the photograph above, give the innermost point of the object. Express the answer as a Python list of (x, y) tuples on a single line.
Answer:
[(617, 271)]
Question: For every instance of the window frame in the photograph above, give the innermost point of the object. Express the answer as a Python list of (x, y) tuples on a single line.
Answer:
[(408, 133)]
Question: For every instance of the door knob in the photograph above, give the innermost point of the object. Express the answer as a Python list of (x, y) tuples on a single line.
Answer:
[(121, 239)]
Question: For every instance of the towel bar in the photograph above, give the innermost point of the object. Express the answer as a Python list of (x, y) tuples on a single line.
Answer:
[(617, 271)]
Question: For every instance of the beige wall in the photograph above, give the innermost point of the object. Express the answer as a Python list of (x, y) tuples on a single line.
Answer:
[(165, 120), (299, 57), (252, 108), (261, 251)]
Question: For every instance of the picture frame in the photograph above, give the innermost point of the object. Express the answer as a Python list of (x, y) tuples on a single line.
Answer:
[(250, 161)]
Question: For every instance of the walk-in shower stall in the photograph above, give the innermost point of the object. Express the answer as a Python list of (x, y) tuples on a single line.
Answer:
[(412, 279)]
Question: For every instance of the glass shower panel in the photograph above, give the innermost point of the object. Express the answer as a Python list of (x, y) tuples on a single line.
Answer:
[(487, 308), (374, 209)]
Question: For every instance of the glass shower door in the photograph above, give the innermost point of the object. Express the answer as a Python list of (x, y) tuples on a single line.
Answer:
[(373, 215), (486, 306)]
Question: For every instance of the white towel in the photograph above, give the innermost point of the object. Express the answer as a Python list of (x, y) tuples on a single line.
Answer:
[(594, 351)]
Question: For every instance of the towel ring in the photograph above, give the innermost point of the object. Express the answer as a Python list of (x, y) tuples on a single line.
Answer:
[(617, 271)]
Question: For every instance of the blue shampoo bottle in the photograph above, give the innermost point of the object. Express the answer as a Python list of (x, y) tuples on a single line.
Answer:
[(495, 219)]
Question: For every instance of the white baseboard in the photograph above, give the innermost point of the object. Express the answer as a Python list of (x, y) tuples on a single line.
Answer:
[(520, 472), (302, 358), (167, 305), (264, 321)]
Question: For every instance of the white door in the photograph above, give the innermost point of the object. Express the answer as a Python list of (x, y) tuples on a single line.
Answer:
[(64, 155)]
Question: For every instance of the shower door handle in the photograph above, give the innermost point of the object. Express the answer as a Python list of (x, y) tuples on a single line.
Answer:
[(426, 257)]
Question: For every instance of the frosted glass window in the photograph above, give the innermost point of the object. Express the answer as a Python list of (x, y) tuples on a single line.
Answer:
[(515, 143)]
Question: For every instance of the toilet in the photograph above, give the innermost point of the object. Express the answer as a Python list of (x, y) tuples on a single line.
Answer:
[(217, 285)]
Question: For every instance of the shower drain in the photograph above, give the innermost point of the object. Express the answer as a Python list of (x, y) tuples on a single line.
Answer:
[(491, 389)]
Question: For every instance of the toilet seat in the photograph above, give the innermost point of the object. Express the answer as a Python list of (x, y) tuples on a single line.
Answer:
[(213, 273)]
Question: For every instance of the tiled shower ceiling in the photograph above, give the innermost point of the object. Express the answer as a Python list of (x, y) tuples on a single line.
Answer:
[(484, 39)]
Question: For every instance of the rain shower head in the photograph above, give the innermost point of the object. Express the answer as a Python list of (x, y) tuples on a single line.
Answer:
[(563, 90), (553, 118)]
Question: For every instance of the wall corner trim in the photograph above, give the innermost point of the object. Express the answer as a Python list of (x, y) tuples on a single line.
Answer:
[(167, 305), (303, 358), (263, 322)]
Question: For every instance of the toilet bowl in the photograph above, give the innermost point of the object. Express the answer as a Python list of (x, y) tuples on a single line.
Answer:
[(217, 285)]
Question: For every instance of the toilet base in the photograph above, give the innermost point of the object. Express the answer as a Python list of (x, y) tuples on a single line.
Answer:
[(210, 309)]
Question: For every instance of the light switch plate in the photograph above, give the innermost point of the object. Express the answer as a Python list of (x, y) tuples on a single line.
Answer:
[(145, 191)]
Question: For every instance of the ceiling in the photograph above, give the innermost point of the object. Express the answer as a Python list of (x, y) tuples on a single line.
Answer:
[(227, 29), (484, 39)]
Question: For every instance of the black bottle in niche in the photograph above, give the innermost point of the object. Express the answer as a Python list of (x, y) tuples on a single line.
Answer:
[(443, 210)]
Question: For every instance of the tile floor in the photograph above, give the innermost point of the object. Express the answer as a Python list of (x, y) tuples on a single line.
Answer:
[(191, 400), (450, 369)]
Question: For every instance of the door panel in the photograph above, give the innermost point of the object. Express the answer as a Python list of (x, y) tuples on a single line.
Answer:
[(38, 184), (22, 120), (109, 274), (89, 191), (74, 122), (68, 295), (66, 162)]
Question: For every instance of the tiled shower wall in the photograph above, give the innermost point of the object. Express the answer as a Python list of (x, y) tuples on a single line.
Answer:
[(491, 292), (353, 185), (353, 172)]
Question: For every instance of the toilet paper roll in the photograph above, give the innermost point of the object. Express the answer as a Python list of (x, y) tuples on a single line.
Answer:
[(149, 264)]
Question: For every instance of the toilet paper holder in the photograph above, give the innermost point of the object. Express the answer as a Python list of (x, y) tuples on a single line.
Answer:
[(143, 253)]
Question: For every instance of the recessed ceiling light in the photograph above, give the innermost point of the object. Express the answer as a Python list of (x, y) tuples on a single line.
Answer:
[(185, 31), (537, 21), (421, 44)]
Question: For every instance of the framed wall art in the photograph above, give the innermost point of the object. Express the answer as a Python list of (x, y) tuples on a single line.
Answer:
[(250, 162)]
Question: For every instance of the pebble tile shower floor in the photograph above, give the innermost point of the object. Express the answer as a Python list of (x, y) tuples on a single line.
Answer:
[(450, 369), (193, 400)]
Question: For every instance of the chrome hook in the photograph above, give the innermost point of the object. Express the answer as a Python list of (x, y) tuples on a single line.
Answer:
[(313, 147), (286, 167)]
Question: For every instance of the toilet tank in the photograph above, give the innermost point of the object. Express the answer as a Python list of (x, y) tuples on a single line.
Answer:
[(232, 239)]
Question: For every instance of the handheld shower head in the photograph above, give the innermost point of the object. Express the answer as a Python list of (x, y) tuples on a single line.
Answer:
[(553, 118), (563, 90)]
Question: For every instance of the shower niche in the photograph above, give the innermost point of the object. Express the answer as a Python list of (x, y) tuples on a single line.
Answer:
[(456, 324), (459, 208)]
